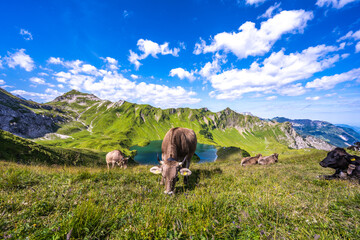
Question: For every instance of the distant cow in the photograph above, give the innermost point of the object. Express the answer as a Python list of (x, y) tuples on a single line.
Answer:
[(345, 165), (177, 149), (269, 159), (250, 160), (117, 157)]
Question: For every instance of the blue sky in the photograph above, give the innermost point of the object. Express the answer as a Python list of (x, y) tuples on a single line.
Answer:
[(297, 59)]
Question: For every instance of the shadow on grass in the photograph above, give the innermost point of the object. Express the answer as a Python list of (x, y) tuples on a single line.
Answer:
[(195, 178)]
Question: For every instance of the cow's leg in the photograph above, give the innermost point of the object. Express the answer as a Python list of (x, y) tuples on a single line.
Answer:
[(113, 164), (162, 182), (187, 165), (108, 166), (329, 177)]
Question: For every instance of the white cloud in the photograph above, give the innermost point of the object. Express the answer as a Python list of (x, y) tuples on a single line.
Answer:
[(53, 60), (113, 86), (43, 74), (292, 90), (330, 94), (40, 81), (26, 34), (133, 76), (357, 47), (329, 82), (126, 14), (2, 82), (182, 73), (21, 59), (149, 47), (271, 98), (276, 71), (49, 94), (211, 68), (351, 35), (335, 3), (269, 12), (255, 2), (250, 41), (313, 98), (111, 63)]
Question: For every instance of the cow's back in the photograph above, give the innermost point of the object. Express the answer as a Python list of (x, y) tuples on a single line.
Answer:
[(179, 142), (114, 156)]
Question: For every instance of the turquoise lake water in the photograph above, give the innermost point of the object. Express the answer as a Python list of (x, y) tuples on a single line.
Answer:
[(147, 154)]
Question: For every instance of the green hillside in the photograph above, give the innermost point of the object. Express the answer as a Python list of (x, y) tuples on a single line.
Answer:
[(104, 126), (20, 150)]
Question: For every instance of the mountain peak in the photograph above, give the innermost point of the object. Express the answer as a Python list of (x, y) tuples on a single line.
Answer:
[(75, 95)]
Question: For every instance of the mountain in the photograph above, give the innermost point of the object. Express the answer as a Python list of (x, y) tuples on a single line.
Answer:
[(83, 120), (356, 129), (27, 118), (335, 135)]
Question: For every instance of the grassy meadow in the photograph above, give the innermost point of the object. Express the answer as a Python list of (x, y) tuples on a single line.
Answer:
[(222, 201)]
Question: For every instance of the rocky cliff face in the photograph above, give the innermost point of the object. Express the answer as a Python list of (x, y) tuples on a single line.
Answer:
[(297, 141), (334, 135), (25, 118)]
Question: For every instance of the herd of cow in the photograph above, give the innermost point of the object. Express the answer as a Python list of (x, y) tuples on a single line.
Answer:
[(179, 146)]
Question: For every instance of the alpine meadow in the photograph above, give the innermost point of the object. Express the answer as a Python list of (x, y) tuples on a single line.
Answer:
[(194, 119)]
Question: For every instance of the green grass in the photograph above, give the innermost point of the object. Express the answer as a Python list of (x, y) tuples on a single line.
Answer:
[(222, 201)]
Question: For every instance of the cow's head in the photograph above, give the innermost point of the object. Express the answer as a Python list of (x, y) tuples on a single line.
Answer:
[(276, 157), (337, 159), (123, 162), (169, 170)]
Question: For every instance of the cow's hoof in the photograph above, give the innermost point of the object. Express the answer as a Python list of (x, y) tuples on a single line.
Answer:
[(169, 193)]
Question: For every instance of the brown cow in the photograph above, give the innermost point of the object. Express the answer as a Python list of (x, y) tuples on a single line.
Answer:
[(117, 157), (269, 159), (177, 149), (250, 160)]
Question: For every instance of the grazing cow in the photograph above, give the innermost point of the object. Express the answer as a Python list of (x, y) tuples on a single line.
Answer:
[(250, 160), (177, 149), (269, 159), (345, 165), (117, 157)]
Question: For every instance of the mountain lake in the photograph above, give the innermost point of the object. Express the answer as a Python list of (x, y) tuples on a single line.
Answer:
[(148, 153)]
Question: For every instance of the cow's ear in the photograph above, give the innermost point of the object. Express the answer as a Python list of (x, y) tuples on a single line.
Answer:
[(185, 172), (156, 170)]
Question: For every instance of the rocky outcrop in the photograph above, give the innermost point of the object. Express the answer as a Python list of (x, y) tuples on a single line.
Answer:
[(296, 141), (25, 118)]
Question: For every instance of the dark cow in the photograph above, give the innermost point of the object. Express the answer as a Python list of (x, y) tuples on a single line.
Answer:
[(177, 149), (117, 157), (345, 165), (269, 159), (250, 160)]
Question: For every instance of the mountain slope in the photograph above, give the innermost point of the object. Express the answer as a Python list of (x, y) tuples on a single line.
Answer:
[(338, 136), (26, 118), (84, 121)]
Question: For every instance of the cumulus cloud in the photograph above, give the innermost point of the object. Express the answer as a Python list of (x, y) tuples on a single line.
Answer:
[(149, 47), (110, 84), (40, 81), (49, 94), (334, 3), (357, 47), (292, 90), (111, 63), (133, 76), (274, 74), (182, 73), (2, 82), (26, 34), (270, 11), (271, 98), (329, 82), (53, 60), (21, 59), (250, 41), (255, 2), (313, 98)]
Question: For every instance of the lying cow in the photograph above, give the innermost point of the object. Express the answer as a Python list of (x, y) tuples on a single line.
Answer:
[(345, 165), (250, 160), (269, 159), (177, 149), (117, 157)]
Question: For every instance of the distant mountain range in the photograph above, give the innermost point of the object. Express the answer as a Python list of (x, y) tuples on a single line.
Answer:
[(83, 120), (337, 135)]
